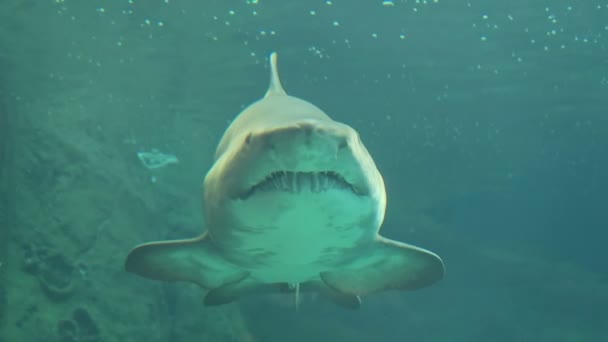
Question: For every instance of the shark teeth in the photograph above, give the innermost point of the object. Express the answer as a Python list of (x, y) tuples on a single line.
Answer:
[(296, 182)]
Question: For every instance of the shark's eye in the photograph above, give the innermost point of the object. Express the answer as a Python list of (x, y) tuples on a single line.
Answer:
[(248, 138)]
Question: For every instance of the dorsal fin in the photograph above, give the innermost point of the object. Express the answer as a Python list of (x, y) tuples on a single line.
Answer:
[(275, 87)]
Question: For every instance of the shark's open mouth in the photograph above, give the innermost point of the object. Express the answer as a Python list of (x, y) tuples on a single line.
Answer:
[(296, 182)]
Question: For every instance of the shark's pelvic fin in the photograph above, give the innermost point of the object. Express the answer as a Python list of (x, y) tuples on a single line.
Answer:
[(232, 291), (193, 260), (345, 300), (386, 265), (275, 87)]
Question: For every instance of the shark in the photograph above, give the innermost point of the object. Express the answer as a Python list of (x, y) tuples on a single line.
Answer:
[(293, 202)]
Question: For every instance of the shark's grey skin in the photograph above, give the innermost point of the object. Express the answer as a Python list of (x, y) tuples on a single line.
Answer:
[(293, 200)]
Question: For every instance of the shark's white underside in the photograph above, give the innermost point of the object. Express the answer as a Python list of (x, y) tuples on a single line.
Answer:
[(292, 198), (289, 226)]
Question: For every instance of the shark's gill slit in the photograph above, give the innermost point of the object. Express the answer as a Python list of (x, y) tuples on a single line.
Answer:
[(296, 182)]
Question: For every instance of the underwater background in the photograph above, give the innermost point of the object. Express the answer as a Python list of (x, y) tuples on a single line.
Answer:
[(488, 120)]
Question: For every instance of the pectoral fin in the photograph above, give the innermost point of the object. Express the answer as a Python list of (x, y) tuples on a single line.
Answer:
[(386, 265), (194, 260)]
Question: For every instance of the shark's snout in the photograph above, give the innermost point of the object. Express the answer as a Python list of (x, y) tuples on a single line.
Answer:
[(304, 156), (303, 144)]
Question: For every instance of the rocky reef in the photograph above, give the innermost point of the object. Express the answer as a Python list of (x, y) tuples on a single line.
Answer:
[(80, 327), (81, 205)]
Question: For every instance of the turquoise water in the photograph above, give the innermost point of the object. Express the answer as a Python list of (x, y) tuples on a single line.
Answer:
[(487, 119)]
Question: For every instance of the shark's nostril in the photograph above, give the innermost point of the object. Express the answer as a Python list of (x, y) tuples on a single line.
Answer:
[(248, 138), (269, 145), (307, 130), (342, 144)]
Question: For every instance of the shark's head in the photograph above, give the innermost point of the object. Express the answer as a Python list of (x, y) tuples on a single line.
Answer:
[(282, 144)]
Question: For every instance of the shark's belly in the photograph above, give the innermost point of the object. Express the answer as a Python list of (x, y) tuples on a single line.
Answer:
[(283, 237)]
